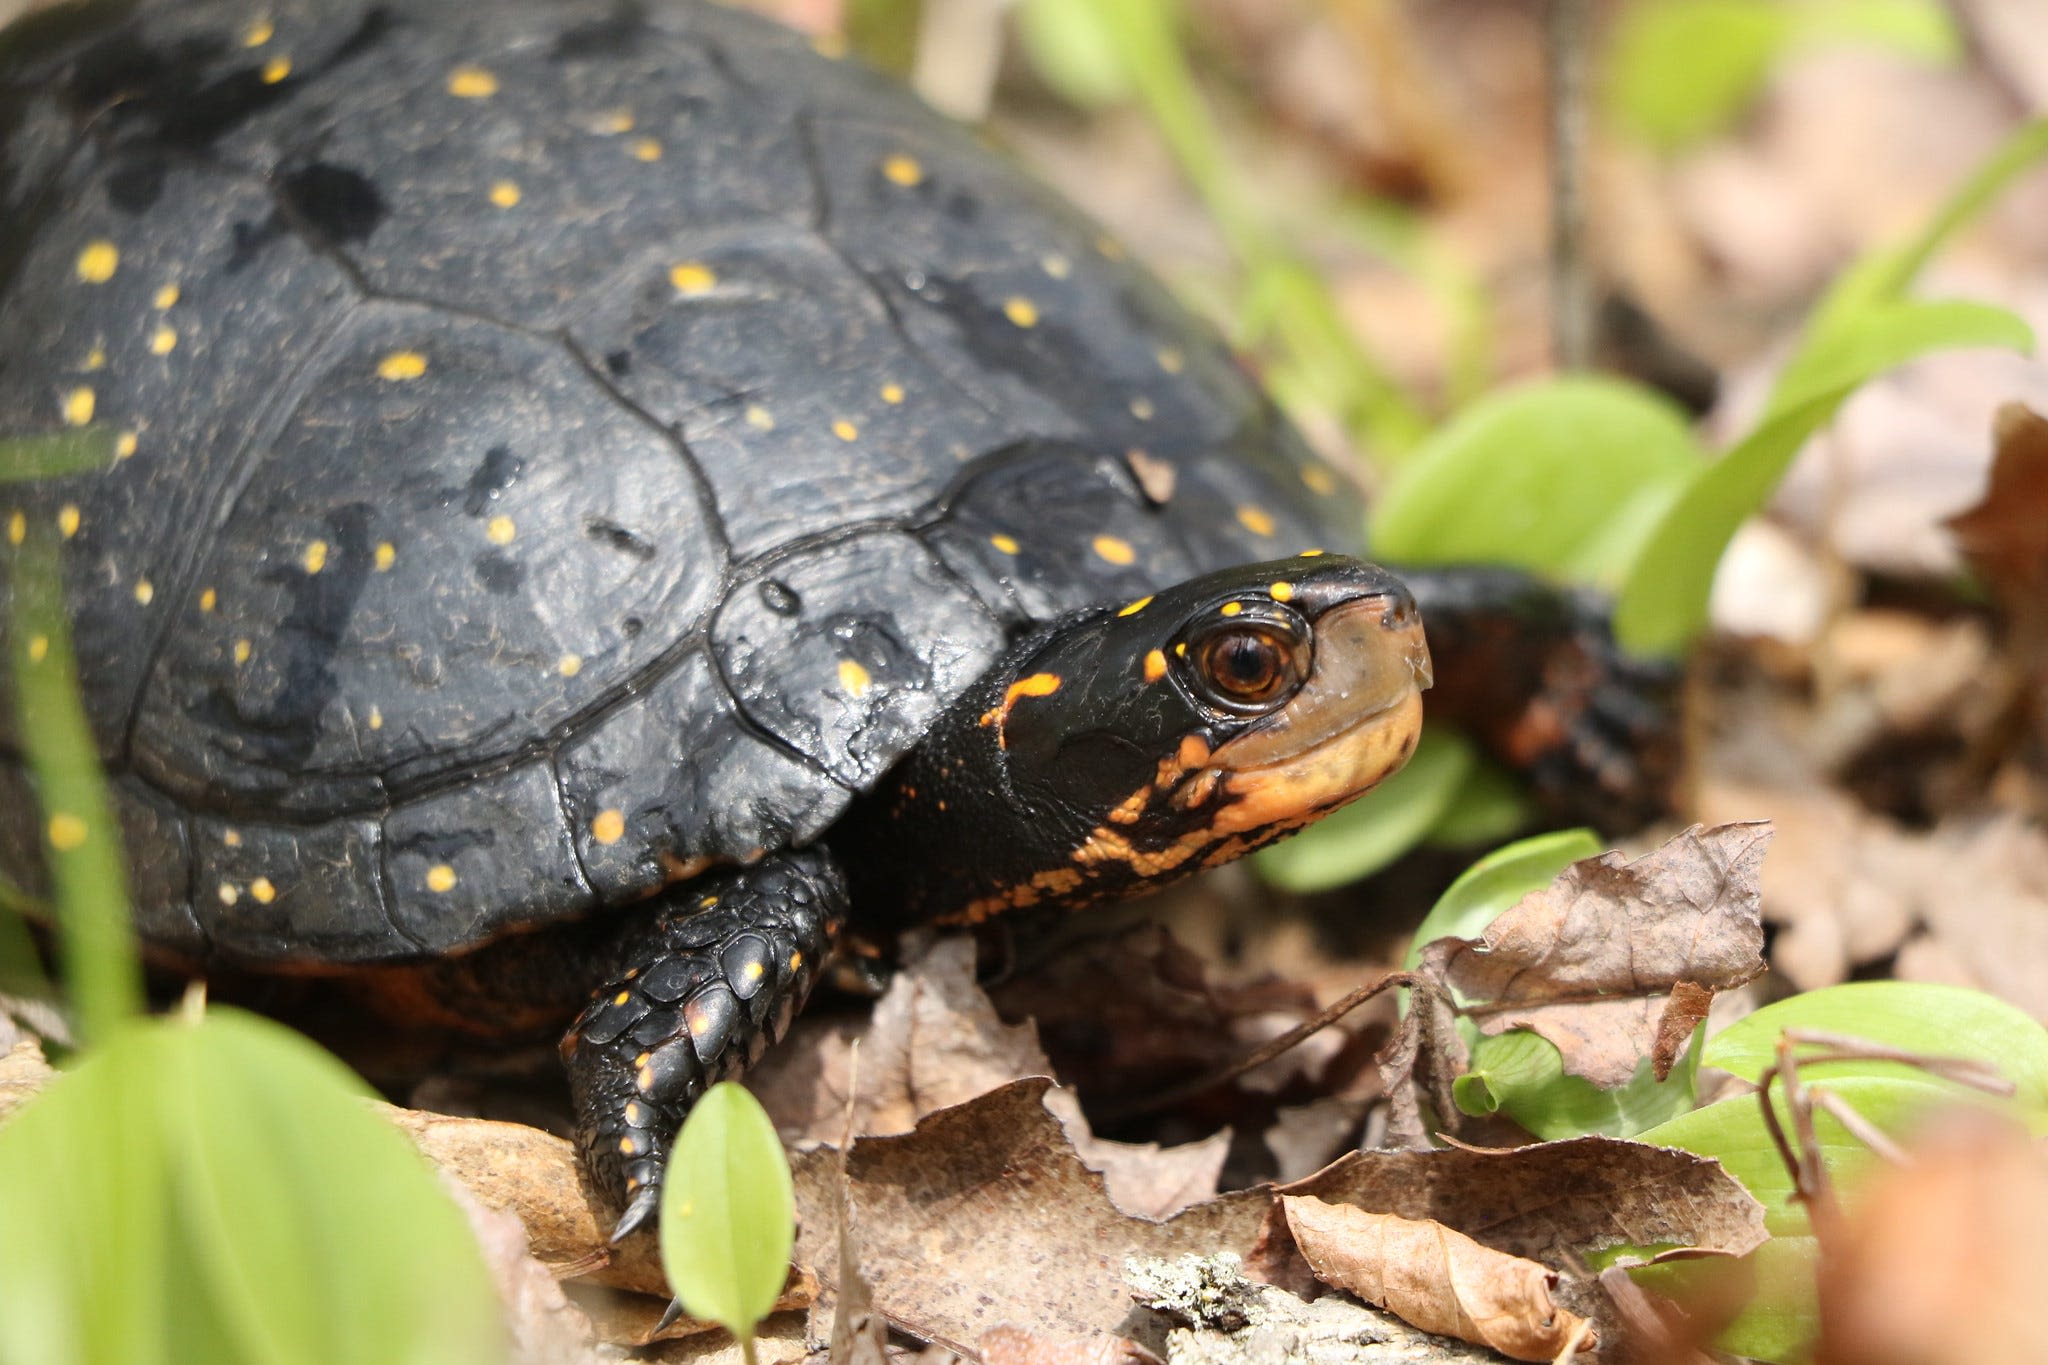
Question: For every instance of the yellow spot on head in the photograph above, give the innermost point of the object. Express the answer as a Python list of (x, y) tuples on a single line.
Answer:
[(1171, 360), (145, 591), (1134, 608), (376, 718), (1319, 479), (260, 32), (1114, 550), (1255, 519), (1057, 266), (228, 894), (386, 555), (401, 365), (1181, 650), (504, 194), (67, 831), (845, 430), (124, 445), (163, 341), (79, 405), (1142, 408), (853, 679), (208, 599), (759, 418), (1311, 554), (1021, 311), (1037, 685), (647, 149), (38, 649), (98, 262), (569, 665), (17, 528), (472, 83), (1282, 591), (796, 960), (500, 530), (1232, 608), (316, 557), (692, 278), (903, 170), (892, 393), (67, 520), (276, 69), (1155, 666), (440, 878), (609, 827), (1007, 544), (242, 651), (263, 891), (166, 296)]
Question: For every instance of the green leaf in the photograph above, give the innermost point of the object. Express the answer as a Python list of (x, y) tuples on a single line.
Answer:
[(23, 458), (1663, 601), (1491, 805), (221, 1191), (1680, 70), (1775, 1284), (1074, 52), (1378, 827), (1521, 1074), (1933, 1020), (728, 1212), (81, 840), (1920, 29), (1496, 883), (1533, 476)]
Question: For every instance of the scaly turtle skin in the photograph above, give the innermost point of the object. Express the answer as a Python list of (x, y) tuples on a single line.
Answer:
[(606, 482)]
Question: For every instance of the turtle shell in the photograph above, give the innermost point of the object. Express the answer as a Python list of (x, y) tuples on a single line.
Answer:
[(561, 446)]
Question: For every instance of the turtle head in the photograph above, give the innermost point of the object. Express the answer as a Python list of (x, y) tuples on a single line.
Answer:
[(1125, 747)]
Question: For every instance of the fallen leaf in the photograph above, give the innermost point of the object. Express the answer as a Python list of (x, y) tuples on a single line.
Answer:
[(1436, 1278), (545, 1327), (1304, 1138), (2005, 539), (1007, 1345), (1591, 962)]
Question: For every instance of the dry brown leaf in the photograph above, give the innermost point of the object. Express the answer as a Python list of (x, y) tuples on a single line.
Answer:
[(1007, 1345), (2005, 539), (1436, 1278), (1942, 1260), (1591, 961), (545, 1327)]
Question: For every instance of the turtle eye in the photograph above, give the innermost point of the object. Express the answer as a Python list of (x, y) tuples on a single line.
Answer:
[(1248, 665)]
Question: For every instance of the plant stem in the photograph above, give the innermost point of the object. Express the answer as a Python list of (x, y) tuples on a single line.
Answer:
[(1571, 292)]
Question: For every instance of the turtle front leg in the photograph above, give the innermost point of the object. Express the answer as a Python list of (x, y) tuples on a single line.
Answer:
[(708, 979)]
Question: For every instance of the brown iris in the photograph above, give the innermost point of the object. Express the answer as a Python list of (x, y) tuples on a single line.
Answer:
[(1248, 664)]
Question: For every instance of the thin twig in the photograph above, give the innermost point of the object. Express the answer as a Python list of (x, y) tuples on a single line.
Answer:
[(1571, 297), (1860, 1128)]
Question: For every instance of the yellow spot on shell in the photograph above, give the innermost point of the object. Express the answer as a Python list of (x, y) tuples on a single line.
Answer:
[(609, 827), (569, 665), (505, 194), (166, 296), (1311, 554), (1007, 544), (692, 278), (647, 149), (1134, 608), (1057, 266), (79, 405), (760, 419), (1232, 608), (1021, 311), (232, 838), (17, 528), (98, 262), (892, 393), (163, 341), (500, 530), (96, 359), (386, 555), (38, 649), (1282, 591), (1172, 361), (276, 69), (845, 430), (401, 365), (1255, 519), (263, 891), (830, 45), (259, 33), (853, 679), (1110, 247), (376, 718), (1155, 666), (208, 600), (67, 831), (124, 445), (315, 558), (145, 591), (617, 121), (1142, 408), (243, 649), (1319, 479), (67, 520), (228, 894), (440, 878), (622, 997), (1180, 651), (472, 83), (903, 170), (1114, 550)]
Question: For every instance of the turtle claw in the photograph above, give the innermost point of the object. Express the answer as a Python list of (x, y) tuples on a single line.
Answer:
[(670, 1316), (640, 1211)]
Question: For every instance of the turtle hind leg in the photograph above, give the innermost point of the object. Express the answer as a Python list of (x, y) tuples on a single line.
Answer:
[(1533, 671), (710, 974)]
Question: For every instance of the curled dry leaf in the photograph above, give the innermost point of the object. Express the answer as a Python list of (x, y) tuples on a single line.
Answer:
[(1595, 961), (2005, 539), (1435, 1278)]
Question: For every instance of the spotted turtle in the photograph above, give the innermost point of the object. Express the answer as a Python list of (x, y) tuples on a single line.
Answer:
[(607, 493)]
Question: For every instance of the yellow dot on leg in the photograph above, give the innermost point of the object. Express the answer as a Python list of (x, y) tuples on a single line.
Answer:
[(208, 600), (98, 262), (166, 296), (163, 341), (243, 649), (904, 170), (569, 665), (402, 365), (845, 430), (853, 679), (609, 827), (67, 520), (79, 405), (505, 194), (472, 83), (145, 591), (1007, 544), (647, 149), (386, 556), (440, 878), (1021, 311), (276, 69), (259, 33), (17, 527), (692, 278), (124, 445), (67, 831), (500, 531), (315, 557), (892, 393), (262, 890)]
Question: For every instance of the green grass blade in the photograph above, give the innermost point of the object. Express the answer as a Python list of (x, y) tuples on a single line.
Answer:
[(728, 1212)]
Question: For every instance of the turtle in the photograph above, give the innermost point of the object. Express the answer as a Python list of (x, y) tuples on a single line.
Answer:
[(608, 493)]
